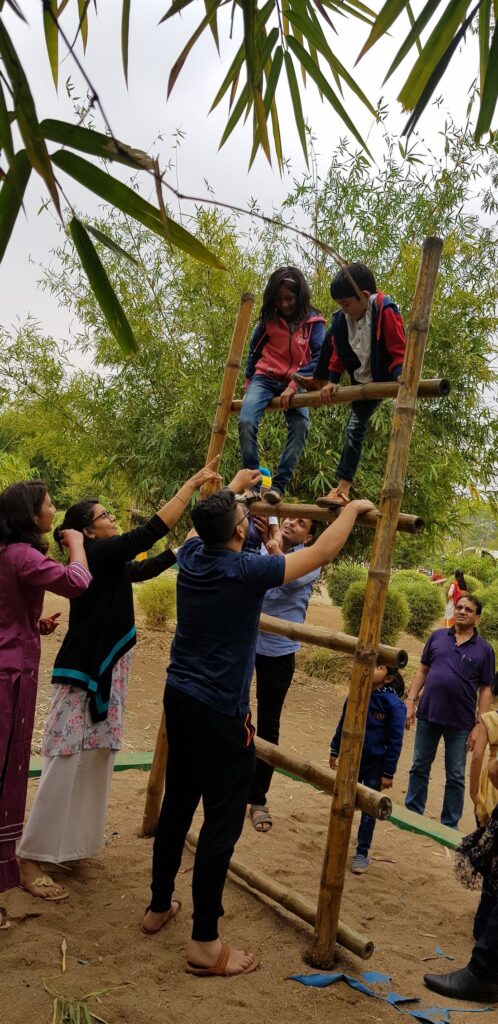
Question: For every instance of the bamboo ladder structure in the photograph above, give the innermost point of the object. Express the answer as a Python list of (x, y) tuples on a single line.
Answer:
[(343, 785)]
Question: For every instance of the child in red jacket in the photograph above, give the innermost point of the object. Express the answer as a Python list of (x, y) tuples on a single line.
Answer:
[(366, 338), (287, 338)]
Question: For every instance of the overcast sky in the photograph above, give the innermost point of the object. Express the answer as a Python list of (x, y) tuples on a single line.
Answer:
[(140, 115)]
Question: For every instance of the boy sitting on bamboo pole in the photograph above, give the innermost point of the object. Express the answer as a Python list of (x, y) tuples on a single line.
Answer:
[(211, 754)]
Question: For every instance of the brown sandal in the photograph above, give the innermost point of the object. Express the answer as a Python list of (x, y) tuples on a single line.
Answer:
[(339, 500), (171, 916), (219, 969)]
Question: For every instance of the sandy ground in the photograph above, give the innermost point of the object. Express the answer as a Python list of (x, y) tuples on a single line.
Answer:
[(409, 902)]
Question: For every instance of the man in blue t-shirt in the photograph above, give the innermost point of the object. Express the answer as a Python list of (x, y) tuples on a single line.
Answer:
[(211, 755), (455, 674)]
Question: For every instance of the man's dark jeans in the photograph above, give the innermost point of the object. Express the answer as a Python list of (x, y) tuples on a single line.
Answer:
[(427, 739)]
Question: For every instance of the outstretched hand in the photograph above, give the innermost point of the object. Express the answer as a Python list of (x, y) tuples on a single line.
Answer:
[(361, 505), (207, 475), (244, 479)]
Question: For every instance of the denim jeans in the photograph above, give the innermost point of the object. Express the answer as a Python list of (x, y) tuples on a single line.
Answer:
[(259, 394), (353, 438), (427, 739), (370, 775)]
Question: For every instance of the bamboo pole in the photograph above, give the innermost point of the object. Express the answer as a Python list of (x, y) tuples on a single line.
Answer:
[(155, 785), (232, 367), (286, 509), (394, 657), (294, 903), (343, 801), (378, 805), (355, 393)]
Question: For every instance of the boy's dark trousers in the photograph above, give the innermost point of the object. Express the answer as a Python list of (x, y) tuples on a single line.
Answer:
[(273, 678), (210, 757), (370, 775)]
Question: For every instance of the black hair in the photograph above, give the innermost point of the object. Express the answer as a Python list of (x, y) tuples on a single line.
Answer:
[(460, 578), (214, 518), (313, 530), (494, 685), (341, 287), (397, 682), (296, 282), (474, 600), (19, 504), (78, 517)]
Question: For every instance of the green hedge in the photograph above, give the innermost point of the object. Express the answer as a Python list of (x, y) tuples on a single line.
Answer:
[(483, 569), (340, 576), (396, 612), (425, 601), (157, 599)]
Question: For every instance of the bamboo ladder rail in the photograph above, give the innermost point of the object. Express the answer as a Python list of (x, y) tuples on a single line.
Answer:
[(343, 801), (395, 657), (432, 388), (287, 509)]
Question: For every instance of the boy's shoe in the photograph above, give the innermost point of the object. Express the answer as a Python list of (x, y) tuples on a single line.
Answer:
[(274, 496), (248, 496), (360, 864)]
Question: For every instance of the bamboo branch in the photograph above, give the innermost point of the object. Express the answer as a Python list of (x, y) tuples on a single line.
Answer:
[(394, 657), (437, 388), (288, 510)]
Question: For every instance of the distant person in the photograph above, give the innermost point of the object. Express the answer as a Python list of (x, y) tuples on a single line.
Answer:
[(455, 674), (287, 337), (220, 592), (456, 590), (381, 749), (366, 339)]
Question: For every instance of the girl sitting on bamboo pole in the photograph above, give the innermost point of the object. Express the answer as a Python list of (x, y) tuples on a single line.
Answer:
[(85, 722)]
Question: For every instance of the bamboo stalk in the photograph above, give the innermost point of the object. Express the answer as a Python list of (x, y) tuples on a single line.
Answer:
[(343, 801), (394, 657), (155, 785), (378, 805), (436, 388), (294, 903), (286, 509), (232, 367)]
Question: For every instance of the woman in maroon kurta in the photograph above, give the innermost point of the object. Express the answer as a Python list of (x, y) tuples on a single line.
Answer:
[(26, 512)]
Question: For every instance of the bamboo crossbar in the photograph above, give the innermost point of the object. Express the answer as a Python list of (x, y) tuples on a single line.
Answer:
[(290, 510), (394, 657), (294, 903), (437, 388), (378, 805)]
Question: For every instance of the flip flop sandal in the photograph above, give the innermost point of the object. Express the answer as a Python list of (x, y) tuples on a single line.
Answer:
[(219, 969), (260, 816), (339, 502), (4, 921), (171, 917), (45, 882)]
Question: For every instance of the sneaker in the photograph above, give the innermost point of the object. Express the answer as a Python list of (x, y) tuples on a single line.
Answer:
[(360, 864), (248, 496), (274, 496)]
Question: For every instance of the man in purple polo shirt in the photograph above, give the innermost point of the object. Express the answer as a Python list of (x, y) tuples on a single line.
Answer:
[(455, 673)]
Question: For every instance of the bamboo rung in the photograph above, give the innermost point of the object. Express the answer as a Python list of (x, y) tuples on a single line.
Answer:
[(378, 805), (356, 393), (394, 657), (284, 510), (294, 903)]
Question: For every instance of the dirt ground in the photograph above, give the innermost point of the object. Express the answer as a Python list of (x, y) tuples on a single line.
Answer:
[(409, 902)]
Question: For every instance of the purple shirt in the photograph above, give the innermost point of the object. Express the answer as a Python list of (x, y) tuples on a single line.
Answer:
[(25, 575), (456, 671)]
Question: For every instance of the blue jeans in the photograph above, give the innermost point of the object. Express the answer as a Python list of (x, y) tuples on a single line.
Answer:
[(427, 739), (370, 775), (259, 394), (353, 438)]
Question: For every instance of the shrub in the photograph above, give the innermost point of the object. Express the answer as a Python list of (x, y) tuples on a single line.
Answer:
[(340, 576), (157, 599), (320, 663), (488, 625), (425, 601), (484, 569), (396, 612)]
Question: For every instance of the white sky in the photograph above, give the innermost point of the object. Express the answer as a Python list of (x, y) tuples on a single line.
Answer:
[(138, 116)]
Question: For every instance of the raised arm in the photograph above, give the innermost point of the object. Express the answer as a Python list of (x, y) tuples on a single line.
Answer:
[(327, 547), (171, 512), (65, 580)]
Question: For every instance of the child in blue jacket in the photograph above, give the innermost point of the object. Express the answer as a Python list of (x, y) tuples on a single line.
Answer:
[(381, 749)]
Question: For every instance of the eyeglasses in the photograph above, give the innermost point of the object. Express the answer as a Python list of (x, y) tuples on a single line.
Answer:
[(241, 520), (103, 515)]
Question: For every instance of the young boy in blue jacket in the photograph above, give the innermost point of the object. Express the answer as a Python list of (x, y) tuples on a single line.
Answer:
[(381, 749)]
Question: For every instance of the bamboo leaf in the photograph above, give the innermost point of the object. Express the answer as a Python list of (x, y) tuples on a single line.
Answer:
[(131, 203), (233, 91), (295, 95), (276, 136), (212, 9), (83, 22), (325, 87), (180, 61), (259, 108), (27, 120), (175, 8), (414, 34), (52, 37), (6, 143), (125, 35), (14, 6), (109, 243), (273, 77), (430, 66), (411, 19), (484, 25), (11, 197), (231, 75), (102, 289), (385, 18), (489, 94), (89, 141), (244, 101)]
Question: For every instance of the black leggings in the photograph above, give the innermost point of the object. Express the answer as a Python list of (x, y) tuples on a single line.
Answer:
[(273, 678), (210, 757)]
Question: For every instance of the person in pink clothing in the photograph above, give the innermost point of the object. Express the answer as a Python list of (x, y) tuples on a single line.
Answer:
[(26, 513)]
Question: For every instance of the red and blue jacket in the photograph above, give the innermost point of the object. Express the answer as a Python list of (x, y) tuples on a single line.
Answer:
[(277, 350), (388, 343)]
